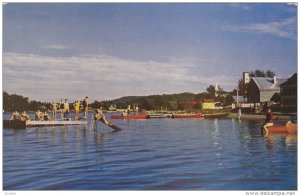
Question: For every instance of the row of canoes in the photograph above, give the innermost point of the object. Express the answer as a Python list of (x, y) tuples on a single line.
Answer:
[(147, 116)]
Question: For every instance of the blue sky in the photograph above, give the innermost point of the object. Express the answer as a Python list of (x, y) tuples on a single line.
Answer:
[(110, 50)]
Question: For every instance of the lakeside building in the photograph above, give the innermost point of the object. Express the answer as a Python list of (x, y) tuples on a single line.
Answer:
[(262, 89), (208, 104), (211, 104), (288, 97)]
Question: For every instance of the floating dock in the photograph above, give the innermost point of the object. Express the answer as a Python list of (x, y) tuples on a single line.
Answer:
[(17, 124)]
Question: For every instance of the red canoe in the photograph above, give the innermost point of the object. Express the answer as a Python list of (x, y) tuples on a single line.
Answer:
[(289, 128), (138, 116), (187, 116)]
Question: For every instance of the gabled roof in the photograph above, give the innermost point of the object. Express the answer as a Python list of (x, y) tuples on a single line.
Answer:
[(291, 80), (266, 83)]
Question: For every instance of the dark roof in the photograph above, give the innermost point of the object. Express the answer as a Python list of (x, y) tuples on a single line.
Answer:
[(291, 80), (275, 97)]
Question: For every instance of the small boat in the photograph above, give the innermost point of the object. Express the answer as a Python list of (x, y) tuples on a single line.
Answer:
[(187, 116), (137, 116), (18, 124), (290, 127)]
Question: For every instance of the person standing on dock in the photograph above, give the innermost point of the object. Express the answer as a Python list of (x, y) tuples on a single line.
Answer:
[(61, 108), (66, 109), (269, 120), (76, 109), (54, 109), (85, 105)]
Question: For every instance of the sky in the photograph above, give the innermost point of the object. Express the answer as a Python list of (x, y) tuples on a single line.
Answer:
[(110, 50)]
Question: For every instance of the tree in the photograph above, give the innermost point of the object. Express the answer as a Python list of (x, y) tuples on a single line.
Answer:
[(211, 90)]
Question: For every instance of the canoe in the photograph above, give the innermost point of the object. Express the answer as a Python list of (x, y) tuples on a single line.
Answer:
[(157, 115), (277, 129), (138, 116), (289, 128), (187, 116)]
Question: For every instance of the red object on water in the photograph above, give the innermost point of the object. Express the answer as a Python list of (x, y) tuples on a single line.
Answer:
[(289, 128), (138, 116), (277, 129), (187, 116)]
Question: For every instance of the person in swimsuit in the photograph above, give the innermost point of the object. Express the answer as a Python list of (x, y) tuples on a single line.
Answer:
[(24, 116), (85, 105), (38, 115), (61, 108), (66, 109), (15, 116), (268, 121), (76, 109), (100, 116), (54, 109)]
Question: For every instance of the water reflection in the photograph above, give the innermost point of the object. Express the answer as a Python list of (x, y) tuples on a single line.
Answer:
[(210, 154), (278, 140)]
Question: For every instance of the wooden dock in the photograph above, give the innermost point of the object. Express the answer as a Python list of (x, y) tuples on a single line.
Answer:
[(17, 124)]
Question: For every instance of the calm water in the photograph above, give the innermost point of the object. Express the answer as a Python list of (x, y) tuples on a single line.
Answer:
[(155, 154)]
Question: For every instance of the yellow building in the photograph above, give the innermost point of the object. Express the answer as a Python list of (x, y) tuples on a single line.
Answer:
[(208, 104)]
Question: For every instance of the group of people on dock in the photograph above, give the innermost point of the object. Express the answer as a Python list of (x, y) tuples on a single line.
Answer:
[(63, 107)]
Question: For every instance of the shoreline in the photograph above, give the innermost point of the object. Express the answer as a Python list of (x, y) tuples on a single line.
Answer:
[(259, 116)]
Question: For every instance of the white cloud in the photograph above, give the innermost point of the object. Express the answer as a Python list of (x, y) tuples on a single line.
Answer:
[(243, 6), (100, 77), (55, 47), (285, 28)]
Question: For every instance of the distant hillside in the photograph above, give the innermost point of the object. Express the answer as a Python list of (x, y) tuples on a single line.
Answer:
[(181, 101)]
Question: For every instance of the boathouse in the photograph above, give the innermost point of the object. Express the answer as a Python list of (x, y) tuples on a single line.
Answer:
[(288, 91), (262, 89)]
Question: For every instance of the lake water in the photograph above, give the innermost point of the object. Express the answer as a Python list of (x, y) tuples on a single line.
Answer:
[(152, 154)]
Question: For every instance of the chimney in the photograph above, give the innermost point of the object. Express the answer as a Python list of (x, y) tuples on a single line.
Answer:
[(275, 79)]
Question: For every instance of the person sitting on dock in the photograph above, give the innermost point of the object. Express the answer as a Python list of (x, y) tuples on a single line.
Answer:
[(100, 116), (38, 115), (46, 116), (268, 121), (76, 109), (24, 116), (54, 109), (15, 116)]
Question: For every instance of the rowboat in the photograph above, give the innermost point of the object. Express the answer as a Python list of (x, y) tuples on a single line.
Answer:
[(187, 115), (18, 124), (137, 116)]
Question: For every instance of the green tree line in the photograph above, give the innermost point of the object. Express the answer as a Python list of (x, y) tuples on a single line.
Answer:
[(14, 102), (182, 101)]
